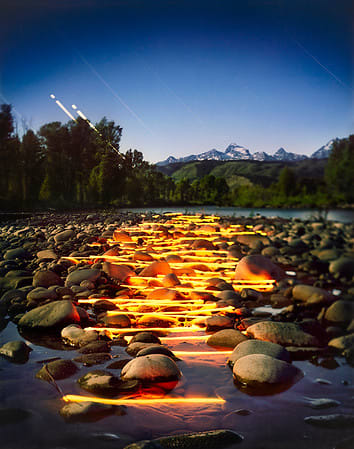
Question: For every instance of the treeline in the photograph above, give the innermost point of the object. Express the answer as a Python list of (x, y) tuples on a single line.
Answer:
[(72, 166)]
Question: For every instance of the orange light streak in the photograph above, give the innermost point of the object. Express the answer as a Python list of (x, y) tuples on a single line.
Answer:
[(203, 353), (127, 330), (156, 401)]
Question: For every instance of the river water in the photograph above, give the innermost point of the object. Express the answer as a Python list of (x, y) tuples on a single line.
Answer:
[(341, 215)]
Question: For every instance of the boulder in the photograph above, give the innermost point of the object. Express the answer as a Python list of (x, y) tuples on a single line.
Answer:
[(342, 267), (259, 347), (83, 274), (150, 368), (257, 370), (340, 312), (119, 272), (41, 293), (15, 351), (56, 314), (58, 369), (104, 383), (64, 236), (228, 338), (335, 421), (87, 411), (308, 293), (257, 267), (155, 268), (74, 335), (46, 278), (346, 342), (286, 334)]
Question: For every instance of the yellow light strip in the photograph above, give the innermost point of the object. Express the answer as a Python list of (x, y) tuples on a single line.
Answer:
[(155, 401), (203, 353), (127, 330)]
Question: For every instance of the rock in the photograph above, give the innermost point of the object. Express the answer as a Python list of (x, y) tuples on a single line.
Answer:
[(286, 334), (46, 254), (8, 296), (254, 241), (74, 335), (202, 244), (93, 358), (259, 347), (257, 370), (118, 364), (141, 255), (228, 338), (100, 382), (64, 236), (170, 280), (40, 294), (308, 293), (16, 253), (144, 444), (56, 314), (15, 351), (300, 353), (218, 322), (151, 368), (343, 343), (340, 312), (95, 346), (319, 403), (270, 251), (46, 278), (257, 267), (334, 421), (278, 300), (155, 268), (145, 337), (342, 267), (83, 274), (87, 411), (58, 369), (156, 349), (133, 348), (121, 236), (120, 321), (212, 439), (119, 272)]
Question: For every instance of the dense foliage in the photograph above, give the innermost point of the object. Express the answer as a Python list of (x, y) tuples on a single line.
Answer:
[(71, 165)]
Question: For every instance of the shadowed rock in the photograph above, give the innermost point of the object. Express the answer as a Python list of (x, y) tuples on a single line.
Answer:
[(228, 338)]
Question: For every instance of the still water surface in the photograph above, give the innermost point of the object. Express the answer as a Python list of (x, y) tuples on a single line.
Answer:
[(342, 215)]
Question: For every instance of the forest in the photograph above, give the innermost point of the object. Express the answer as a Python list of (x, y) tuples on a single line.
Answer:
[(72, 166)]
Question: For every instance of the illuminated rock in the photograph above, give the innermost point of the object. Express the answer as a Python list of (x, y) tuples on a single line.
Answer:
[(257, 268), (120, 321), (164, 293), (257, 370), (121, 236), (74, 335), (135, 347), (155, 268), (259, 347), (140, 255), (202, 244), (119, 272), (170, 280), (150, 368)]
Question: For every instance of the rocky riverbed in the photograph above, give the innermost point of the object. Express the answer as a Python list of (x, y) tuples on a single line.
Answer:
[(230, 332)]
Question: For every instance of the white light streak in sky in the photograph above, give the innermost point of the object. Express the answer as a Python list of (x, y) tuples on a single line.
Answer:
[(104, 82)]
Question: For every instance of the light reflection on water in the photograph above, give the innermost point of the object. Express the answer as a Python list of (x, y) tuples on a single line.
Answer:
[(275, 421)]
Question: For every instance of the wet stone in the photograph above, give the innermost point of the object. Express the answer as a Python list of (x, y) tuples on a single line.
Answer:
[(228, 338), (151, 368), (58, 369), (118, 364), (94, 347), (100, 382), (86, 411), (84, 274), (74, 335), (259, 347), (320, 403), (93, 358), (334, 421), (15, 351), (46, 278)]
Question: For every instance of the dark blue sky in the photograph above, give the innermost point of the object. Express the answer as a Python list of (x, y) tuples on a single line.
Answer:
[(185, 76)]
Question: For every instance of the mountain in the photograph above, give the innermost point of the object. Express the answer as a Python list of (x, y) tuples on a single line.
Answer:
[(235, 152), (282, 155), (325, 151)]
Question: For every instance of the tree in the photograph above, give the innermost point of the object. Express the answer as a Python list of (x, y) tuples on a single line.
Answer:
[(286, 182), (32, 164), (339, 170)]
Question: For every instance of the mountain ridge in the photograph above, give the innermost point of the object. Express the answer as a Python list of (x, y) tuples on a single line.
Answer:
[(234, 152)]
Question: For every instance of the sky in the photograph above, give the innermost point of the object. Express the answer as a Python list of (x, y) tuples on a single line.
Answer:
[(184, 76)]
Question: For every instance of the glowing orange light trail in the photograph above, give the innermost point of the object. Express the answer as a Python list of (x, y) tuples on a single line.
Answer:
[(155, 401), (127, 330)]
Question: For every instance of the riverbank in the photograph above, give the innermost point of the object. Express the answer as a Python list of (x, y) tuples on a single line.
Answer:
[(109, 272)]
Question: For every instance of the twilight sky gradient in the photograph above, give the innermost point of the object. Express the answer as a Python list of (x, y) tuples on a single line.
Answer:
[(185, 76)]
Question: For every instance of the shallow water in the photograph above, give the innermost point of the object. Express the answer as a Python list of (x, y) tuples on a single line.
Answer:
[(341, 215), (275, 421)]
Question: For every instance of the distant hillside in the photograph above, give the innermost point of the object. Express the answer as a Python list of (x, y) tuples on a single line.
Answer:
[(242, 172)]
